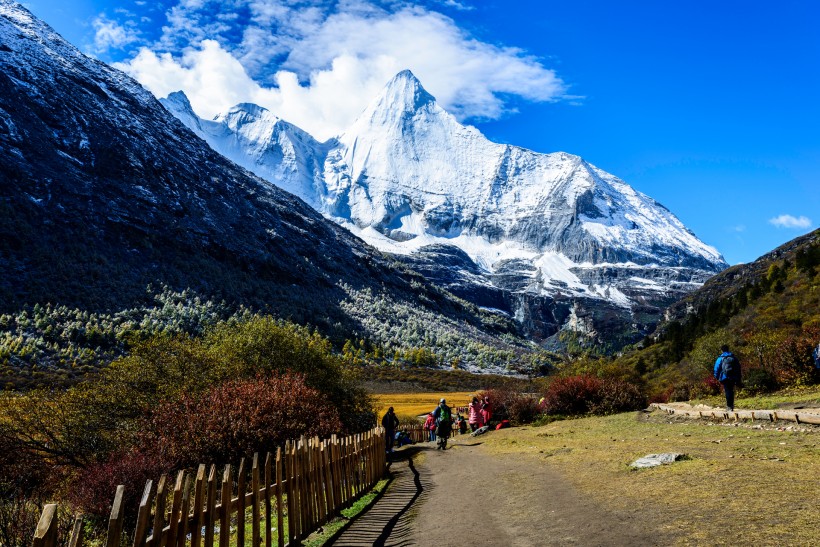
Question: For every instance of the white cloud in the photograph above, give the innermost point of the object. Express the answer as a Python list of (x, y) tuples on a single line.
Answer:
[(318, 67), (789, 221), (109, 34)]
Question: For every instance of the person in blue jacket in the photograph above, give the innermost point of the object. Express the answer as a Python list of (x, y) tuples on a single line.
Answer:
[(727, 372)]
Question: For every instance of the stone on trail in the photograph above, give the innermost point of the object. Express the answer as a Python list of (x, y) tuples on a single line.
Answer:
[(654, 460)]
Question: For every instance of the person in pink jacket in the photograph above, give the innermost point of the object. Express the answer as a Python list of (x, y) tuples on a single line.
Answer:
[(430, 427), (475, 419)]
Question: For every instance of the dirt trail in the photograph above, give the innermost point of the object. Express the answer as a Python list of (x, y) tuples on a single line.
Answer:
[(464, 496)]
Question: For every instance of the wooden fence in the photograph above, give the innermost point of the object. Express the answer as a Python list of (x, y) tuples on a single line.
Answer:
[(418, 434), (766, 415), (298, 489)]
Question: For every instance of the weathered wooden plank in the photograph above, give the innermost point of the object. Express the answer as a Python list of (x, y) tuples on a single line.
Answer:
[(159, 514), (291, 492), (176, 508), (211, 509), (46, 533), (115, 520), (76, 539), (143, 514), (255, 510), (268, 478), (241, 502), (184, 513), (280, 529), (199, 502), (225, 509)]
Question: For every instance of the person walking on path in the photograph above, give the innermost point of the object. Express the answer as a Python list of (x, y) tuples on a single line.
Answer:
[(389, 422), (444, 423), (727, 372), (430, 427), (475, 418)]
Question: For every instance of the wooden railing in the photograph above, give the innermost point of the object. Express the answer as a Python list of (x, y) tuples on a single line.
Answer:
[(299, 488), (767, 415)]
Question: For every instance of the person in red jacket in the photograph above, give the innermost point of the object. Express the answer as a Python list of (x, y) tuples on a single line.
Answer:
[(475, 418), (430, 427), (486, 410)]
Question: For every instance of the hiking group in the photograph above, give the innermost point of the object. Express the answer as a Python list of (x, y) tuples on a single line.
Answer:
[(440, 424)]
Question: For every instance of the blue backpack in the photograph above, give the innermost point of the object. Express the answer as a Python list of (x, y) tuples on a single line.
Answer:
[(730, 367)]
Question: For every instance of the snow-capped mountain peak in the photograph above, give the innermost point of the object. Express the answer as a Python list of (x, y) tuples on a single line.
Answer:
[(402, 95), (406, 175)]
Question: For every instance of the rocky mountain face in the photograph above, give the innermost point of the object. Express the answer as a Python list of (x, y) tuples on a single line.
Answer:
[(548, 239), (103, 192)]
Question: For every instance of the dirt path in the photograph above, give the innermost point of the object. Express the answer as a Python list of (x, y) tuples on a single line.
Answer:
[(464, 496)]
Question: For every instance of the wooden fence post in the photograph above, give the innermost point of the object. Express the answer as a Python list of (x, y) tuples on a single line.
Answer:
[(46, 533), (159, 514), (279, 510), (290, 491), (144, 513), (199, 514), (331, 503), (255, 501), (115, 520), (76, 532), (240, 503), (176, 508), (209, 530), (268, 510), (225, 514), (186, 504)]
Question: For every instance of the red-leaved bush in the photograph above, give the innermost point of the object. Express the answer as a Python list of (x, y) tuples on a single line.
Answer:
[(519, 408), (221, 425), (238, 418), (577, 395), (94, 487)]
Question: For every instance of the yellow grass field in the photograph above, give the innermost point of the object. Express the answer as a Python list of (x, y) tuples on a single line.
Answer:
[(410, 405)]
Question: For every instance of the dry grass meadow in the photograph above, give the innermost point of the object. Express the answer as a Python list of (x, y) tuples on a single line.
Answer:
[(410, 405), (741, 483)]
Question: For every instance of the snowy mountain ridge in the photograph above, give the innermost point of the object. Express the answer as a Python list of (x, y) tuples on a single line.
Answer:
[(407, 177)]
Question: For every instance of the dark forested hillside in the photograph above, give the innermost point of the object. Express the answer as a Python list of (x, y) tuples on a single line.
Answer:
[(767, 311), (103, 193)]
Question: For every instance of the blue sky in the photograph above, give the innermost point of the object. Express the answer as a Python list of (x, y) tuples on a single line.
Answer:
[(709, 107)]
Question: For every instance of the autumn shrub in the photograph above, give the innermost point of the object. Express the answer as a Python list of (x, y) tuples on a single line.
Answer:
[(93, 488), (792, 361), (23, 490), (759, 380), (519, 408), (579, 395), (238, 418), (617, 396)]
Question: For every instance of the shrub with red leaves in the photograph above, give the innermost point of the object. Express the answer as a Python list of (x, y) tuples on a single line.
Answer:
[(578, 395), (238, 418), (94, 488), (518, 408), (221, 425)]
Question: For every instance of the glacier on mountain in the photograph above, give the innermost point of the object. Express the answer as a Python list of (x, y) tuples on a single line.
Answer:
[(408, 178)]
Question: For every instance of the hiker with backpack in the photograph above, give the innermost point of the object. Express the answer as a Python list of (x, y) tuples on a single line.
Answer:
[(727, 372), (444, 423)]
